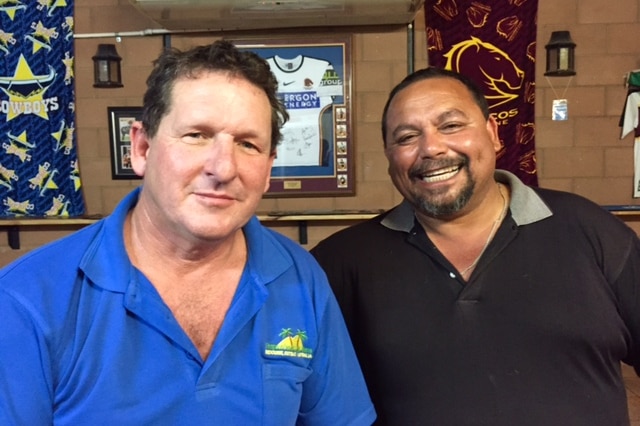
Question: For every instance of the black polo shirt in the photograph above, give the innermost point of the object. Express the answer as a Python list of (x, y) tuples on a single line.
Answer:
[(535, 337)]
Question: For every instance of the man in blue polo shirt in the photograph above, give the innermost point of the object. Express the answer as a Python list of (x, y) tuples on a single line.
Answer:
[(180, 308)]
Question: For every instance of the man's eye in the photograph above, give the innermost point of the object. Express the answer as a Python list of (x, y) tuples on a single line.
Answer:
[(194, 138), (404, 139), (451, 126), (248, 145)]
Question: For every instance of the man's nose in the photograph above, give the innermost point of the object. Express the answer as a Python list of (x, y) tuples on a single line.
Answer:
[(431, 144), (221, 159)]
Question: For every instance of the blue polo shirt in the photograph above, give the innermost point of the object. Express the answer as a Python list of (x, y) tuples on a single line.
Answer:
[(86, 339)]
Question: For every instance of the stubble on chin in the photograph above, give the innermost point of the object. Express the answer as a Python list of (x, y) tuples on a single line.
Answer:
[(444, 203)]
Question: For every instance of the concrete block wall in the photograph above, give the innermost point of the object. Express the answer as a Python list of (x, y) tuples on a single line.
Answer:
[(583, 155)]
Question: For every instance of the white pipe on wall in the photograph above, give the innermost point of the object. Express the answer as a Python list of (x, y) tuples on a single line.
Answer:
[(142, 33)]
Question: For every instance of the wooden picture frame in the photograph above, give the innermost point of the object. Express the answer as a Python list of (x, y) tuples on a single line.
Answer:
[(120, 119), (316, 154)]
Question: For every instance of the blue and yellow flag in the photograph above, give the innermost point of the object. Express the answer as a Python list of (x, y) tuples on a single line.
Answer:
[(39, 173)]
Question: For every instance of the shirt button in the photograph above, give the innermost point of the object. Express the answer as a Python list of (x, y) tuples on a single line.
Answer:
[(452, 275)]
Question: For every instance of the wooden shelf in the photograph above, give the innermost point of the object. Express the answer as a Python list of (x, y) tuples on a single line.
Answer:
[(38, 221), (13, 225), (625, 212), (301, 218), (315, 217)]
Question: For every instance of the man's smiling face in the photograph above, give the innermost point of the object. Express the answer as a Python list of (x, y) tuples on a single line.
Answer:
[(440, 148)]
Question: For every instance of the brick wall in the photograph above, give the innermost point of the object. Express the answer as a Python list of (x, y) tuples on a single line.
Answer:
[(582, 155)]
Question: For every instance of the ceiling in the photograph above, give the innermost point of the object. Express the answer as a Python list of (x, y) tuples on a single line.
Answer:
[(230, 15)]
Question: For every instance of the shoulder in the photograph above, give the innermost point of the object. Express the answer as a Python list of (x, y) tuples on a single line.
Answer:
[(559, 199), (44, 284), (279, 245), (357, 237), (276, 257), (63, 257), (568, 206), (583, 223), (56, 257)]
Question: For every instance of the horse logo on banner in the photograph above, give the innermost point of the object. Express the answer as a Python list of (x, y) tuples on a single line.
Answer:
[(489, 43), (486, 63)]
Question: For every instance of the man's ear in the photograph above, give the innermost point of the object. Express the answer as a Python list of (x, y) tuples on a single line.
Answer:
[(272, 158), (492, 129), (139, 148)]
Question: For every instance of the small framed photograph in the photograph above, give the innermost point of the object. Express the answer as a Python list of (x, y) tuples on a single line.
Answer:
[(120, 121)]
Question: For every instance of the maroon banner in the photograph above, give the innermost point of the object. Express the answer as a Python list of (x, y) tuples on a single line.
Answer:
[(494, 43)]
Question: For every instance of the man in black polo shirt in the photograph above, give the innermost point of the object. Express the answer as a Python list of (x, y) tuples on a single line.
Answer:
[(479, 300)]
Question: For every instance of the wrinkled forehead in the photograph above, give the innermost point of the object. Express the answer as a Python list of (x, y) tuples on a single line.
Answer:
[(433, 89), (432, 97)]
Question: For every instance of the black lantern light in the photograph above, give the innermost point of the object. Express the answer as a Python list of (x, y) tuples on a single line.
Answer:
[(560, 55), (106, 67)]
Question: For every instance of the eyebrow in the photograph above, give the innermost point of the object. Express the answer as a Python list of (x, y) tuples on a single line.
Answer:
[(451, 113), (444, 116)]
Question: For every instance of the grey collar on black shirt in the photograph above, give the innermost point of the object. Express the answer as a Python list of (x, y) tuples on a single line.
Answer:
[(526, 205)]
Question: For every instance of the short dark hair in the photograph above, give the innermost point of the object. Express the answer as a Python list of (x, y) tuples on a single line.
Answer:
[(433, 72), (223, 56)]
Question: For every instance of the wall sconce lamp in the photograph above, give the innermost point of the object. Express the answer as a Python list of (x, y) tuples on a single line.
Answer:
[(560, 63), (106, 67), (560, 55)]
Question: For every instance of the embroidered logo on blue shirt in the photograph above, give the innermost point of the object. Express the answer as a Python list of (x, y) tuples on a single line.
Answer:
[(291, 345)]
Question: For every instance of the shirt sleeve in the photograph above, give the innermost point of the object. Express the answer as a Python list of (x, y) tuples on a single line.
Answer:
[(627, 288), (335, 393), (25, 384)]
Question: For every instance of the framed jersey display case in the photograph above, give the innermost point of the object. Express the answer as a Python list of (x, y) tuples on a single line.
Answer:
[(315, 155)]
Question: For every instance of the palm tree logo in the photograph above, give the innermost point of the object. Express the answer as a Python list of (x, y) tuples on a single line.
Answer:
[(290, 341)]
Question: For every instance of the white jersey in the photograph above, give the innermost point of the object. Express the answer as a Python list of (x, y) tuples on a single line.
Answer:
[(630, 114), (630, 124), (307, 87), (636, 167)]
